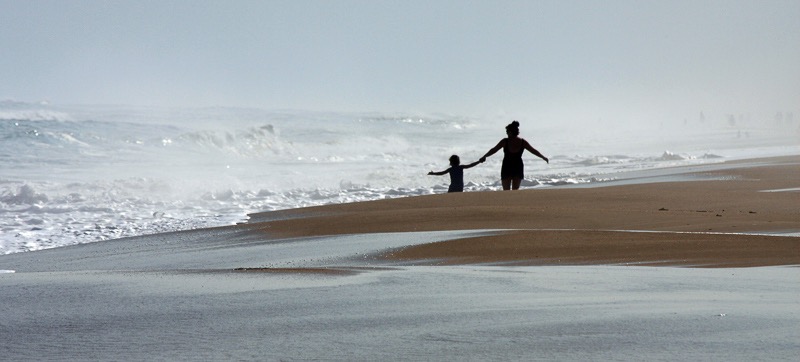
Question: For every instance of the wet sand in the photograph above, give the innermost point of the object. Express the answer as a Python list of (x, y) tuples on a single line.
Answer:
[(706, 220)]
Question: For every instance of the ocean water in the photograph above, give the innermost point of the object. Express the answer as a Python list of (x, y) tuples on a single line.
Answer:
[(79, 174)]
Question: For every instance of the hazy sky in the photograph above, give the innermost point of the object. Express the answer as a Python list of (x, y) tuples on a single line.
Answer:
[(559, 59)]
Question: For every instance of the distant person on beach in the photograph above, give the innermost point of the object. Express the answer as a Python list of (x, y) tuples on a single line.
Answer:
[(456, 172), (512, 172)]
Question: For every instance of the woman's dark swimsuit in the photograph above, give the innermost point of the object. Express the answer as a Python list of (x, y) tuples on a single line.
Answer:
[(512, 163)]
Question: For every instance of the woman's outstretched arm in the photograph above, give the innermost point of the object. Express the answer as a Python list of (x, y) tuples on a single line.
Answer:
[(534, 151), (473, 164), (494, 149)]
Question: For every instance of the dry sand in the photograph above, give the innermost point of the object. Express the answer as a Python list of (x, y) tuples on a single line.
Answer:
[(708, 222)]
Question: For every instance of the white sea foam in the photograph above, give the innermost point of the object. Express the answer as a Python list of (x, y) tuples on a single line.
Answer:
[(81, 174)]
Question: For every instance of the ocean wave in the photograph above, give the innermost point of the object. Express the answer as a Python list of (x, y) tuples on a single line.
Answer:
[(121, 142), (34, 115), (11, 110), (24, 195), (247, 142), (670, 156), (437, 120), (603, 160)]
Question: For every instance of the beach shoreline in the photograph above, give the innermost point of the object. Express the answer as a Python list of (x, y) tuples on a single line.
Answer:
[(718, 215)]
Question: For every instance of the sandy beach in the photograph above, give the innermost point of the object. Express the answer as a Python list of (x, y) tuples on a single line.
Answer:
[(688, 263), (702, 220)]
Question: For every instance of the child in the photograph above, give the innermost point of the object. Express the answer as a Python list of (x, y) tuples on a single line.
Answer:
[(456, 172)]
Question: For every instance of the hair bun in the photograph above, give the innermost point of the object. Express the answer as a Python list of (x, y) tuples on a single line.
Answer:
[(515, 124)]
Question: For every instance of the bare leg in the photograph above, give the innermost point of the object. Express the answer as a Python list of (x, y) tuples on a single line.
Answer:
[(515, 183), (506, 183)]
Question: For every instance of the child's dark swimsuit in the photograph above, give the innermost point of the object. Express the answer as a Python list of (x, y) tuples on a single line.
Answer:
[(456, 179), (512, 163)]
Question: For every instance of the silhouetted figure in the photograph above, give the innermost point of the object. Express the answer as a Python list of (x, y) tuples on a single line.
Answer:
[(513, 147), (456, 172)]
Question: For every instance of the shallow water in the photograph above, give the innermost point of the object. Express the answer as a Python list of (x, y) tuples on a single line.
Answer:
[(176, 297)]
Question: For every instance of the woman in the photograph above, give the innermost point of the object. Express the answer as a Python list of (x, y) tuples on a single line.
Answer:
[(513, 147)]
